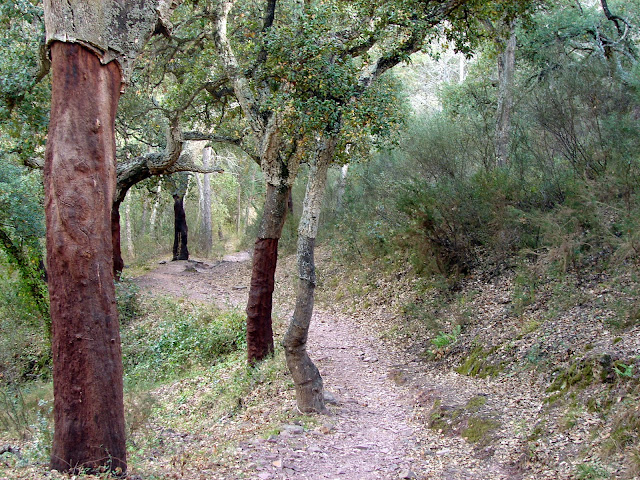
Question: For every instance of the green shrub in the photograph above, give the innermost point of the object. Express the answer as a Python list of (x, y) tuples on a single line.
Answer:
[(128, 299), (177, 336), (24, 346)]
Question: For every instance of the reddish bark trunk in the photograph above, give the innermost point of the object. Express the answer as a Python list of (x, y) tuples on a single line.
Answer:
[(118, 262), (259, 329), (79, 180), (180, 250), (265, 257)]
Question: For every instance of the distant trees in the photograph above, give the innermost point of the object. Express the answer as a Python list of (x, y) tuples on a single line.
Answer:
[(444, 204)]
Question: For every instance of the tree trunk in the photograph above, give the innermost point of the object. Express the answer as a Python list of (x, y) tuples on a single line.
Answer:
[(506, 70), (127, 221), (265, 257), (239, 208), (207, 236), (342, 185), (79, 181), (118, 262), (154, 212), (145, 216), (180, 251), (307, 379)]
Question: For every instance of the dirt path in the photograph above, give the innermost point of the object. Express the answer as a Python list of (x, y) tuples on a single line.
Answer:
[(372, 431)]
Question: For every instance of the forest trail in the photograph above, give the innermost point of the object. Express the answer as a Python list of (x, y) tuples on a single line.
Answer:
[(372, 431)]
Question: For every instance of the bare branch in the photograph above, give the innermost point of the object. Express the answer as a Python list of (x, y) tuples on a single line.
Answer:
[(195, 136)]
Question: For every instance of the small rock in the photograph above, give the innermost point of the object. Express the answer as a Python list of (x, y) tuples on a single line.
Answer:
[(314, 449), (330, 398), (277, 463), (325, 429), (163, 262), (406, 473), (293, 429)]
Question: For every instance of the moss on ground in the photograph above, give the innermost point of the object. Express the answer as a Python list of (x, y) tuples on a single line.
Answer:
[(478, 364)]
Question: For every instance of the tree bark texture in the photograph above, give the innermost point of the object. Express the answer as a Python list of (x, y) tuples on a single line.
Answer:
[(306, 377), (180, 250), (79, 180), (506, 70), (112, 30), (265, 257)]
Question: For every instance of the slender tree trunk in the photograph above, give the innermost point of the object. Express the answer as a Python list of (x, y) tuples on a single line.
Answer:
[(145, 216), (239, 208), (79, 180), (265, 257), (180, 250), (127, 221), (118, 261), (342, 185), (207, 236), (154, 212), (506, 70), (200, 207), (307, 379)]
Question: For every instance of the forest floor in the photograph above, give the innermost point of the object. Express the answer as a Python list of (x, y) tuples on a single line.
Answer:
[(386, 402), (400, 406)]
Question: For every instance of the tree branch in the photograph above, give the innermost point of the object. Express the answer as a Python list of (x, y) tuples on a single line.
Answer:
[(238, 80)]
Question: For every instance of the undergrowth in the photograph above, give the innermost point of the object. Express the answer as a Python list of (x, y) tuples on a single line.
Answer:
[(185, 370)]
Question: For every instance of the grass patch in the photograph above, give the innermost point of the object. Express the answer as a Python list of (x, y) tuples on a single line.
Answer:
[(177, 336), (479, 430)]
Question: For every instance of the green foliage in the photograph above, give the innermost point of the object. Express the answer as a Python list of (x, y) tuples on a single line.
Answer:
[(128, 300), (591, 471), (569, 196), (26, 412), (175, 336), (24, 344), (444, 339), (623, 370), (479, 363)]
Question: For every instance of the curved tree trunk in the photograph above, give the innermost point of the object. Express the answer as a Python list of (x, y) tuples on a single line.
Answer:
[(265, 257), (180, 250), (307, 379), (79, 180)]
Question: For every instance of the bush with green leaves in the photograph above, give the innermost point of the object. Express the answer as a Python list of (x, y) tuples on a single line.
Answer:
[(176, 336)]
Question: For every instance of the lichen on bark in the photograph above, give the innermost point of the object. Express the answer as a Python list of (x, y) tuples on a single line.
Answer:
[(112, 30)]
